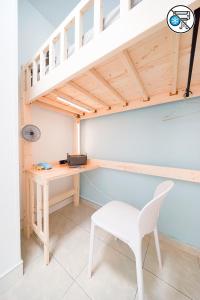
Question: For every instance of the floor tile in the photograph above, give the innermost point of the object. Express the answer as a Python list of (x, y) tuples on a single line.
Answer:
[(113, 277), (59, 224), (78, 214), (156, 289), (41, 282), (75, 292), (73, 251), (180, 269)]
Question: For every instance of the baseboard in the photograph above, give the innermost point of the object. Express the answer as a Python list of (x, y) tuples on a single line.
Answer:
[(61, 204), (90, 203), (179, 245), (9, 278), (170, 241)]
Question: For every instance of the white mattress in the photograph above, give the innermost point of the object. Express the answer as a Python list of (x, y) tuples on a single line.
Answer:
[(107, 21), (70, 50), (87, 36), (111, 17)]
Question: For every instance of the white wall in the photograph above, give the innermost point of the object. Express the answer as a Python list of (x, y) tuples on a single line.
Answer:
[(55, 142), (10, 256)]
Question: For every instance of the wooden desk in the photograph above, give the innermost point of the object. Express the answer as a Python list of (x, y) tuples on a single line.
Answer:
[(37, 208)]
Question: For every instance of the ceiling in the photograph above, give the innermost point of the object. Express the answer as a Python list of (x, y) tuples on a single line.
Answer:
[(54, 11)]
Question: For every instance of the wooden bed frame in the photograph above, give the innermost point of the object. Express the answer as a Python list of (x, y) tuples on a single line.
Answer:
[(134, 63)]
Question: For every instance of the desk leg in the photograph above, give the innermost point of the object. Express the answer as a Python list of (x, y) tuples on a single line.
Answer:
[(76, 180), (46, 222), (27, 221)]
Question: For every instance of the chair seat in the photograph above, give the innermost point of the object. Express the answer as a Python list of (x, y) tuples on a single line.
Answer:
[(119, 219)]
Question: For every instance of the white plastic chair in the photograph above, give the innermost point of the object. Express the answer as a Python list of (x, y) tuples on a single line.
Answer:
[(130, 225)]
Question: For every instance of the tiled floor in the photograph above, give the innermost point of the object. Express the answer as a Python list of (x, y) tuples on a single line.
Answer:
[(114, 276)]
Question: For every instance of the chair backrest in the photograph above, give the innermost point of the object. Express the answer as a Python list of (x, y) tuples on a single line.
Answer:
[(148, 216)]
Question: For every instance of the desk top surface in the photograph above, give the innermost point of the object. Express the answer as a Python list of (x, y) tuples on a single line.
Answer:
[(59, 171)]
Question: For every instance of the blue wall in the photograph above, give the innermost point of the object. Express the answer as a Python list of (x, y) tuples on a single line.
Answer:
[(166, 135), (34, 29)]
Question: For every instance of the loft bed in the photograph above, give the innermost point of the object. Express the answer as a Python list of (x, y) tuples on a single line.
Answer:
[(123, 62)]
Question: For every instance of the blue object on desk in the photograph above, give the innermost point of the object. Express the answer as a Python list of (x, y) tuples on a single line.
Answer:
[(45, 165)]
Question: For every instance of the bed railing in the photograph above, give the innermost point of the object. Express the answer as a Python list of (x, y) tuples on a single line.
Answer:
[(69, 37)]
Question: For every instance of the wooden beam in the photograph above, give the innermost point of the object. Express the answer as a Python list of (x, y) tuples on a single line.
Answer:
[(48, 100), (172, 173), (58, 93), (93, 72), (133, 73), (174, 62), (136, 104), (87, 93), (26, 152), (76, 150), (76, 137), (53, 108)]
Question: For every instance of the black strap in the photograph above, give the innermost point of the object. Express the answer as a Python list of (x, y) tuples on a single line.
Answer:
[(193, 49)]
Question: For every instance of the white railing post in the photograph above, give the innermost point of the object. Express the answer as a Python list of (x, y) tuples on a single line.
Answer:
[(125, 5), (51, 56), (98, 17), (78, 31), (42, 65), (34, 72), (63, 45)]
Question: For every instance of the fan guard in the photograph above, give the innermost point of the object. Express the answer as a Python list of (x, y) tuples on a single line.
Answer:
[(31, 133)]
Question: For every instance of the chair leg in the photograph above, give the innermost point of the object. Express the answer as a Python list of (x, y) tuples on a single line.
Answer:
[(139, 271), (157, 247), (91, 249)]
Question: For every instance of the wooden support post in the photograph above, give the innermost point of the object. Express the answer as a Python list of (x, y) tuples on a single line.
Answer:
[(32, 205), (46, 222), (98, 16), (26, 155), (124, 7), (76, 146), (39, 207), (63, 46), (76, 178), (26, 206), (78, 31)]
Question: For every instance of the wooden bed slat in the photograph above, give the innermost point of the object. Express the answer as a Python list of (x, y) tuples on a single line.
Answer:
[(174, 62), (93, 72), (87, 93), (130, 67), (53, 108)]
